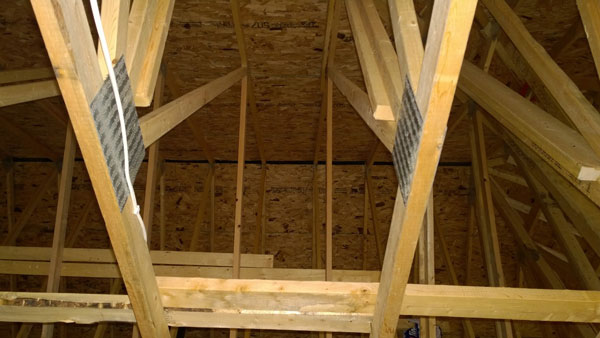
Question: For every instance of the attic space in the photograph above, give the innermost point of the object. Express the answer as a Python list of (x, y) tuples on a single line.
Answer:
[(300, 168)]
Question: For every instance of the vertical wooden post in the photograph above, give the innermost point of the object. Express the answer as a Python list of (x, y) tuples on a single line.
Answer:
[(163, 207), (486, 216), (239, 190), (60, 223)]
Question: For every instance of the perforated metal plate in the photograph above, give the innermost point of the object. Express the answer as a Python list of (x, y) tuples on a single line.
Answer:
[(406, 142), (106, 119)]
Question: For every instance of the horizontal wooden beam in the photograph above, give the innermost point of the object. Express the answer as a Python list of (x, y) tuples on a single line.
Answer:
[(26, 92), (16, 253), (109, 270), (21, 75), (558, 144), (160, 121), (313, 306)]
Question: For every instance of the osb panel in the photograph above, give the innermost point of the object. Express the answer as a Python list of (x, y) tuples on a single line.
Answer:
[(285, 42)]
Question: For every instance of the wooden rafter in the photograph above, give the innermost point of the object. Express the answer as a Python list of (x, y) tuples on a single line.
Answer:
[(69, 43), (589, 11), (579, 110)]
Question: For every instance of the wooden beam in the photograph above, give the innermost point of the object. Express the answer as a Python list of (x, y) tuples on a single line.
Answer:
[(407, 38), (426, 264), (163, 211), (60, 223), (441, 65), (579, 110), (160, 121), (560, 146), (381, 104), (152, 168), (68, 40), (359, 100), (173, 83), (239, 187), (110, 270), (115, 15), (146, 83), (584, 214), (486, 216), (185, 258), (259, 236), (329, 182), (26, 92), (204, 201), (21, 75), (467, 325), (590, 16), (308, 298), (577, 257)]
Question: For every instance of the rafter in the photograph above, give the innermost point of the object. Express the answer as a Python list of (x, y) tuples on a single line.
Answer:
[(69, 43)]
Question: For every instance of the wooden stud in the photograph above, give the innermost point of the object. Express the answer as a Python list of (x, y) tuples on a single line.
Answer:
[(259, 243), (329, 178), (68, 40), (485, 215), (407, 38), (441, 65), (426, 264), (467, 325), (62, 214), (239, 191), (152, 171), (162, 211)]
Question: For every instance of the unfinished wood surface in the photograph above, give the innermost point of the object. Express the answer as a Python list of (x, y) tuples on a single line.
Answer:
[(115, 15), (559, 145), (160, 121), (25, 92), (467, 325), (30, 74), (486, 216), (329, 180), (322, 305), (590, 15), (442, 61), (385, 130), (579, 110), (239, 191), (149, 68), (426, 264), (158, 257), (394, 77), (68, 39), (381, 104), (139, 31), (407, 38), (153, 169), (60, 223)]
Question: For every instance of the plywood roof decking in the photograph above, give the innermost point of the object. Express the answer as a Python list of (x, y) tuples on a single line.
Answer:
[(284, 42)]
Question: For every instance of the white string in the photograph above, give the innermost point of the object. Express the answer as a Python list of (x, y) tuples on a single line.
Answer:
[(115, 87)]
